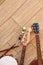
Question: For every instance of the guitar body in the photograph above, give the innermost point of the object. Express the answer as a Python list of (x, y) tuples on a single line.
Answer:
[(35, 62)]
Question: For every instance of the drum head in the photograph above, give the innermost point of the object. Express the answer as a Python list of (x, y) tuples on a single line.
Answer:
[(8, 60)]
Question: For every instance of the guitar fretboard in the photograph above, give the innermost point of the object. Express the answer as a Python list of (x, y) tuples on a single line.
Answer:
[(23, 55), (39, 56)]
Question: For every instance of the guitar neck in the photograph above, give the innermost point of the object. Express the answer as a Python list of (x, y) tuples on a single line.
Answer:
[(23, 55), (39, 56)]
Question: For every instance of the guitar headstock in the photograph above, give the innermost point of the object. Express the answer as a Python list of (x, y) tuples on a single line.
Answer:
[(26, 37), (35, 28)]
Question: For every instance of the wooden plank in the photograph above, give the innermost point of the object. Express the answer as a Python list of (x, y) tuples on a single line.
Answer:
[(36, 18), (1, 2), (15, 38), (7, 31), (1, 54), (8, 8), (27, 11), (4, 46), (12, 52)]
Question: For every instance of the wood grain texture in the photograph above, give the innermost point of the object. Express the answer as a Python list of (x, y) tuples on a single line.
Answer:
[(1, 1), (14, 14), (8, 8)]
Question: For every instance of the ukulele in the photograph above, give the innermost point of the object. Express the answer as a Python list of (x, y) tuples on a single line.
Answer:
[(39, 61), (25, 41)]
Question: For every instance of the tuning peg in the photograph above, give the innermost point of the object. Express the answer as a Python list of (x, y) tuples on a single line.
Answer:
[(22, 33), (24, 28), (35, 27), (20, 37)]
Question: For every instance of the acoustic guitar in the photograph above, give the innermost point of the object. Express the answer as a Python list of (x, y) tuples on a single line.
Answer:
[(25, 41), (39, 60)]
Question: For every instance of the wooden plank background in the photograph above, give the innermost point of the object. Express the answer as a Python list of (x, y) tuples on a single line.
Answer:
[(14, 14)]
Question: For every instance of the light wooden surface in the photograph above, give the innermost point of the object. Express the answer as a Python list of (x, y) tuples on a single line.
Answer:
[(14, 14)]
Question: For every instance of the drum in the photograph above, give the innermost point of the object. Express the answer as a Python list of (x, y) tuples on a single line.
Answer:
[(8, 60)]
